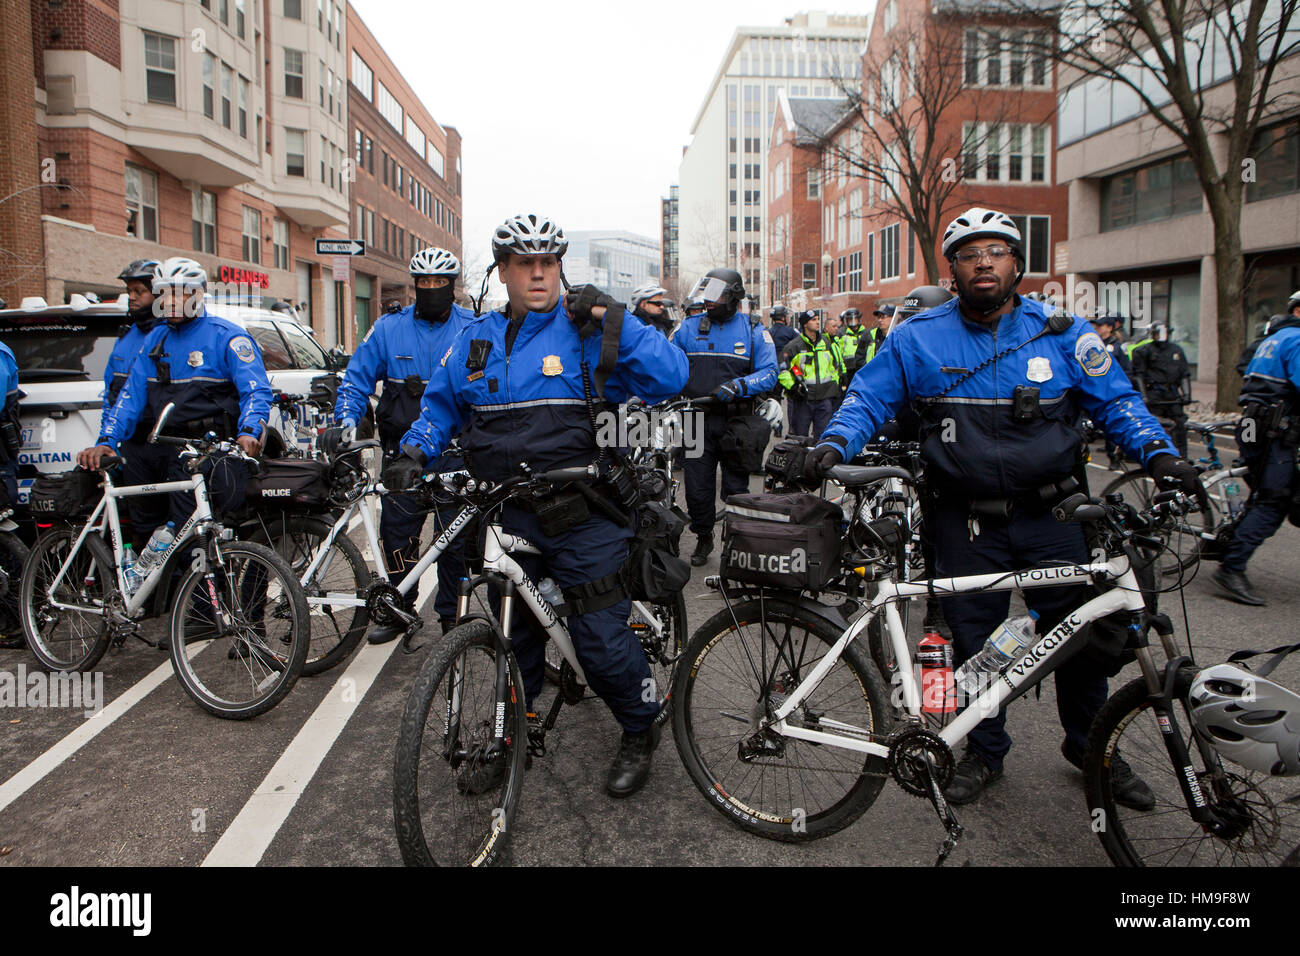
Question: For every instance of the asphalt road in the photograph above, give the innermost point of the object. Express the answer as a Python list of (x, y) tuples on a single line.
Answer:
[(310, 783)]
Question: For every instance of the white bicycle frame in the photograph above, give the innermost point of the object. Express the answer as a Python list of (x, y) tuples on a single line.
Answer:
[(106, 510), (1125, 596)]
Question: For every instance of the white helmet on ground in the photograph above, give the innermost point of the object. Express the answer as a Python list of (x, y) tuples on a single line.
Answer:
[(435, 262), (529, 235), (179, 271), (648, 291), (980, 223), (1247, 718)]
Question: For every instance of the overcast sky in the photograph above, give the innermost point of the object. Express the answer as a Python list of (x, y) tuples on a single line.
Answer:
[(575, 109)]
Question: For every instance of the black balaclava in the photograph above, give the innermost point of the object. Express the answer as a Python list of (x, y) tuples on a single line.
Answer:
[(434, 305), (143, 317)]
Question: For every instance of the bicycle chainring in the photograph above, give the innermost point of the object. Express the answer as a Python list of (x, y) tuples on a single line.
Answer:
[(381, 598), (907, 759)]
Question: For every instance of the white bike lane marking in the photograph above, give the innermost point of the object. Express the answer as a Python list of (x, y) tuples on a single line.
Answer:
[(41, 767), (251, 832)]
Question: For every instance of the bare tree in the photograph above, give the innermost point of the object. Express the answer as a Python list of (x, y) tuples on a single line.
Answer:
[(917, 127), (1215, 113)]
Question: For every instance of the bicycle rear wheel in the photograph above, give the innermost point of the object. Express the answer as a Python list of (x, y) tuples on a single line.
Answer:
[(1264, 808), (75, 637), (1183, 537), (455, 790), (343, 575), (733, 674), (251, 629)]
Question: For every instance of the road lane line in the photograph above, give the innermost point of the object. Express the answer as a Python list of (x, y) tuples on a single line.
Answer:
[(255, 826), (34, 772)]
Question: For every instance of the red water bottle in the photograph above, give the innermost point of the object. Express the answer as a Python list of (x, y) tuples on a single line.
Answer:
[(934, 654)]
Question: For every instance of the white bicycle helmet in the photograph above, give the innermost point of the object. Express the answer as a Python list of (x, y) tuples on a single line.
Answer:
[(1248, 719), (980, 223), (770, 411), (179, 271), (434, 262), (648, 291), (529, 235)]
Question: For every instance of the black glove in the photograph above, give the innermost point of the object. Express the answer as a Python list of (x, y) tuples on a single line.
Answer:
[(331, 439), (403, 471), (728, 392), (823, 458), (1172, 472), (799, 390), (580, 300)]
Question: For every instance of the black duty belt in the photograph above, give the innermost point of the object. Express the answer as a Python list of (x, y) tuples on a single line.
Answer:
[(1037, 502)]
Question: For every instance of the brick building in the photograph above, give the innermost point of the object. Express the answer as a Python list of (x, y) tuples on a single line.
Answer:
[(406, 193), (794, 207), (995, 133)]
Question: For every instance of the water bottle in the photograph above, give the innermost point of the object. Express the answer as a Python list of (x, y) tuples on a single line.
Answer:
[(129, 574), (551, 591), (1232, 492), (1002, 647), (159, 542), (934, 654)]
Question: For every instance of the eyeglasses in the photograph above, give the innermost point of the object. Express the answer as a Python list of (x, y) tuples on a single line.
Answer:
[(972, 256)]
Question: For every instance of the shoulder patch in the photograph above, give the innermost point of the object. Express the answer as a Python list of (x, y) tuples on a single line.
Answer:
[(446, 356), (242, 346), (1092, 355), (767, 337)]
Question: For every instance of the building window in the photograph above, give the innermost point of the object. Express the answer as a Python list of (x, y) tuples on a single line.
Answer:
[(810, 275), (293, 9), (141, 204), (370, 227), (437, 162), (359, 145), (415, 136), (243, 108), (1012, 58), (324, 147), (889, 252), (280, 243), (203, 221), (1160, 191), (840, 275), (295, 152), (293, 73), (362, 78), (227, 94), (871, 258), (996, 153), (320, 84), (239, 17), (160, 69), (252, 242), (855, 272), (1276, 152), (209, 86), (911, 250), (1035, 235), (370, 155), (389, 108)]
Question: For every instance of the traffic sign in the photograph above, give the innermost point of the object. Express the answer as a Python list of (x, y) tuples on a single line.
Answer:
[(340, 247)]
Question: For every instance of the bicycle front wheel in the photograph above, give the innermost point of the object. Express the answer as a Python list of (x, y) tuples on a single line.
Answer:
[(1184, 536), (456, 787), (240, 636), (72, 637), (341, 578), (735, 673), (1264, 814)]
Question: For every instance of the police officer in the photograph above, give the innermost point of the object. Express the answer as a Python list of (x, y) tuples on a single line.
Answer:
[(649, 305), (140, 458), (1268, 435), (11, 633), (402, 350), (210, 369), (850, 339), (1107, 326), (1161, 370), (813, 377), (1000, 440), (781, 330), (694, 306), (869, 342), (731, 358), (514, 382)]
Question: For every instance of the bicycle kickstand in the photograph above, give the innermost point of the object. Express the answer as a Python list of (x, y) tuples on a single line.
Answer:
[(946, 815), (537, 735), (412, 629)]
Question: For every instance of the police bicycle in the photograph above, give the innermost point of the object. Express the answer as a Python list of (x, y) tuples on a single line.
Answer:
[(786, 726), (238, 618), (465, 736)]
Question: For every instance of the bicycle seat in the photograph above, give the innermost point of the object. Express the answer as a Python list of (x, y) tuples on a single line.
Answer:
[(850, 475)]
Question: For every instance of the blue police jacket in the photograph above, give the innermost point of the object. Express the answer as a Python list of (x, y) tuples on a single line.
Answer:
[(1273, 375), (8, 378), (120, 361), (782, 335), (969, 438), (734, 350), (208, 366), (527, 403), (398, 347)]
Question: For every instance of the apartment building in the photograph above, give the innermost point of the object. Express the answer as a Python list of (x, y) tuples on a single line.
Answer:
[(618, 262), (669, 268), (724, 168), (406, 189)]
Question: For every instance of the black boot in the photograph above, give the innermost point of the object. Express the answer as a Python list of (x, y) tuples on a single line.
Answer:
[(971, 777), (1235, 583), (703, 548), (383, 633), (631, 767)]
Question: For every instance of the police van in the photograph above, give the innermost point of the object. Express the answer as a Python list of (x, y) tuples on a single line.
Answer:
[(62, 351)]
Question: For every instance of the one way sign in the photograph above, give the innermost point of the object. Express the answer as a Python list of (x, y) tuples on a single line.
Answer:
[(340, 247)]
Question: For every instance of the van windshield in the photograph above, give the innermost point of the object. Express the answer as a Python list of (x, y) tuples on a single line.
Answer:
[(61, 347)]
